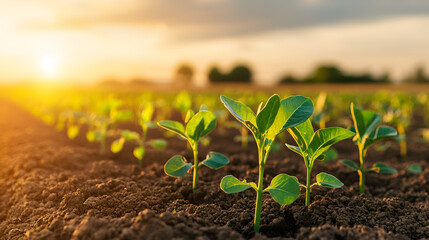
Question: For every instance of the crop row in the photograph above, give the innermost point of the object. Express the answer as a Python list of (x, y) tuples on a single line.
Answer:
[(296, 115)]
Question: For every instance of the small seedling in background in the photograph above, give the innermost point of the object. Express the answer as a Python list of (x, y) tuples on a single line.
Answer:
[(415, 168), (320, 114), (183, 103), (100, 123), (198, 126), (330, 155), (399, 114), (145, 122), (269, 121), (72, 120), (311, 146), (367, 133), (244, 137)]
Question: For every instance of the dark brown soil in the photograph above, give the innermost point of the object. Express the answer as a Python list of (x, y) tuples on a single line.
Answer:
[(55, 188)]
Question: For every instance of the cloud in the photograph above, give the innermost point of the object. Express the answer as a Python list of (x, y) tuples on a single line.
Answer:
[(205, 19)]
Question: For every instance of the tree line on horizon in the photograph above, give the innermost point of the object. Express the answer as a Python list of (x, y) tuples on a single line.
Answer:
[(324, 73), (242, 73)]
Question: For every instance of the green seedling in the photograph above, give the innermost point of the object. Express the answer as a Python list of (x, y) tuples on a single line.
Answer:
[(72, 120), (321, 116), (100, 123), (183, 103), (311, 146), (244, 137), (398, 109), (415, 168), (367, 132), (198, 126), (99, 130), (330, 155), (145, 122), (401, 118), (269, 121)]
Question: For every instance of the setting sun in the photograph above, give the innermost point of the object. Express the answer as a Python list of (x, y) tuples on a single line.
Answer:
[(49, 66)]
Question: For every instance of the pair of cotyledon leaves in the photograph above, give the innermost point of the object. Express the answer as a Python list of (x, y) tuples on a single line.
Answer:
[(139, 151), (284, 188), (197, 127)]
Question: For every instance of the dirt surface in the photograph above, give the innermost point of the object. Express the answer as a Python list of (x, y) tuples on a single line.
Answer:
[(55, 188)]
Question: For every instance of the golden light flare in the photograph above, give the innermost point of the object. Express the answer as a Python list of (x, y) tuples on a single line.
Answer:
[(48, 65)]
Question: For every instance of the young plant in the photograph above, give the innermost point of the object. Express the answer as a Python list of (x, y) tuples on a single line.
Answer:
[(415, 168), (145, 122), (312, 146), (183, 103), (367, 132), (275, 117), (100, 123), (321, 115), (401, 118), (198, 126)]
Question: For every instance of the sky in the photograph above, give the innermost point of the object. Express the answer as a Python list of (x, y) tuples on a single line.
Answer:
[(81, 41)]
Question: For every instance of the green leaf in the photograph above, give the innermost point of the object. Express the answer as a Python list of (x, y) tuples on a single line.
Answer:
[(414, 168), (327, 180), (147, 112), (158, 143), (90, 136), (252, 129), (231, 184), (294, 149), (72, 131), (350, 164), (117, 145), (139, 152), (323, 139), (284, 189), (302, 134), (297, 110), (200, 125), (173, 126), (177, 166), (292, 112), (240, 111), (122, 115), (383, 168), (203, 108), (183, 102), (321, 157), (330, 155), (371, 121), (215, 160), (130, 135), (267, 115), (380, 133), (189, 114)]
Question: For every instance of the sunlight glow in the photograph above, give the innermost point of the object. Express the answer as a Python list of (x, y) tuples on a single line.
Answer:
[(49, 66)]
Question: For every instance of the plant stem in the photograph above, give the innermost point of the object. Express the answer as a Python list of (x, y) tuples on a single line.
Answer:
[(244, 135), (308, 187), (194, 183), (402, 142), (259, 194), (361, 171)]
